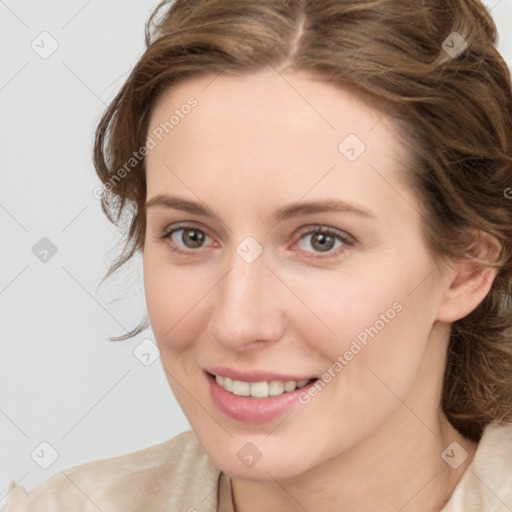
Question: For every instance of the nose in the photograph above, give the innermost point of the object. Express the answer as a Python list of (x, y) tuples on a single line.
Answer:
[(248, 311)]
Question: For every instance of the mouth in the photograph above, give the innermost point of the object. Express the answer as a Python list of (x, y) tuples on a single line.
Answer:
[(260, 389), (256, 401)]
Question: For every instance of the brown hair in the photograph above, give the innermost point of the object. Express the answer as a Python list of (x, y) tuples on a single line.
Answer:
[(457, 110)]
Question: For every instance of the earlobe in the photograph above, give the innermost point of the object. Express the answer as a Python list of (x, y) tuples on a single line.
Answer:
[(470, 280)]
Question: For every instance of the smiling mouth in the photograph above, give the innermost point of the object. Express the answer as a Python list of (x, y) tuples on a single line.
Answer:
[(263, 389)]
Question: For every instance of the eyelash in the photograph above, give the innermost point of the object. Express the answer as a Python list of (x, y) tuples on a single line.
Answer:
[(338, 235)]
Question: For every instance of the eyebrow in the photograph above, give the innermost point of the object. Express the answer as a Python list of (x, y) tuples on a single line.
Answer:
[(283, 213)]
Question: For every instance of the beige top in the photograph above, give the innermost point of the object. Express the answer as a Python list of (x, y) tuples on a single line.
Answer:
[(177, 475)]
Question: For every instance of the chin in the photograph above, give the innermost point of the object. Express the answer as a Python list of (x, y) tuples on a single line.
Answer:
[(255, 459)]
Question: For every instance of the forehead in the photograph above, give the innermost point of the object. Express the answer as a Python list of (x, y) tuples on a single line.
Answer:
[(261, 105), (266, 129)]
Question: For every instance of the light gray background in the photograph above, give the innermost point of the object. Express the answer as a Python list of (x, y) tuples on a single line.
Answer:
[(60, 381)]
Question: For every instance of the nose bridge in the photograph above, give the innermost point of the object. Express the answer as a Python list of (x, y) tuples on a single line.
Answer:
[(244, 308)]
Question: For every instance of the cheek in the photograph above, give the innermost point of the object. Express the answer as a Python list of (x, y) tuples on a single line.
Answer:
[(172, 297), (381, 334), (170, 301), (372, 321)]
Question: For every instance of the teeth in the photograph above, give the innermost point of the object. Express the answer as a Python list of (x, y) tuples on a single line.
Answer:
[(290, 385), (241, 388), (276, 388), (228, 384), (259, 389)]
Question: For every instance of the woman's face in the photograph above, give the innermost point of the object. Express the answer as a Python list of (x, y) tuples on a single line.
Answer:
[(282, 246)]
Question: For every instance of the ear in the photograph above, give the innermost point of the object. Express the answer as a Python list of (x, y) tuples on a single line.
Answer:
[(469, 281)]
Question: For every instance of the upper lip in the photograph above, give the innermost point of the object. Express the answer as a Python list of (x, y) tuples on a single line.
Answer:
[(254, 376)]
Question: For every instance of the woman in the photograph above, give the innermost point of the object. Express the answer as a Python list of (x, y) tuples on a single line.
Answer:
[(321, 192)]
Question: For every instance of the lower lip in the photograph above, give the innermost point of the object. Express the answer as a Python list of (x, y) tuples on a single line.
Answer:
[(253, 410)]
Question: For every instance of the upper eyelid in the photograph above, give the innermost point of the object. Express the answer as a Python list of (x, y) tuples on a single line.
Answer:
[(183, 225)]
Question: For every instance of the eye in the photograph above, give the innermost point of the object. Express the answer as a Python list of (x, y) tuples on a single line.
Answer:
[(187, 237), (321, 239), (324, 240)]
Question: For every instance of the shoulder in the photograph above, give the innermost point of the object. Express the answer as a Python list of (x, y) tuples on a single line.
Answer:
[(487, 483), (176, 474)]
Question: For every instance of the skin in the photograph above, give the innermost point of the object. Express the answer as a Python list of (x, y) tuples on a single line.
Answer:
[(372, 438)]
